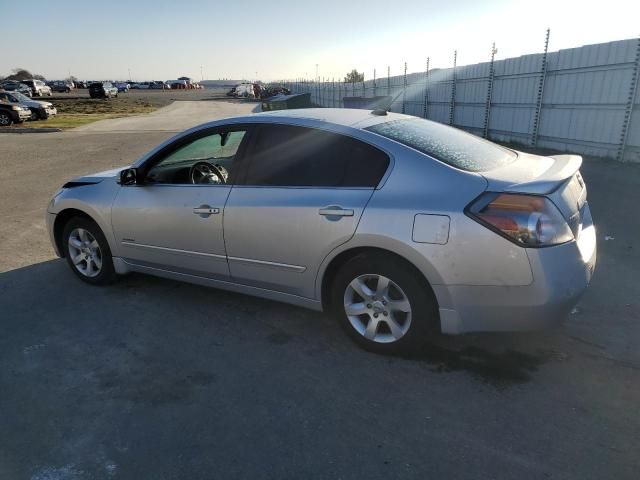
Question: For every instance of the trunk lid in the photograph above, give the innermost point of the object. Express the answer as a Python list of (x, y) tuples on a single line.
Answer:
[(556, 176)]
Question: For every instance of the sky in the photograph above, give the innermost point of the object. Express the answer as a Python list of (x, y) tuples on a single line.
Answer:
[(249, 39)]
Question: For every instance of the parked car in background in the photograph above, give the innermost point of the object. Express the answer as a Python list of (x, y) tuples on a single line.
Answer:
[(14, 86), (102, 90), (400, 227), (38, 87), (122, 86), (61, 86), (81, 84), (140, 86), (13, 113), (177, 84), (39, 110), (245, 90), (157, 85)]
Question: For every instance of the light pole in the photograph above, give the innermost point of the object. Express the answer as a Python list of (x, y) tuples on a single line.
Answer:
[(201, 75)]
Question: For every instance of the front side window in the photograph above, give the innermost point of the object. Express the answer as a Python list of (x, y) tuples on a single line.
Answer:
[(206, 160), (291, 156), (449, 145)]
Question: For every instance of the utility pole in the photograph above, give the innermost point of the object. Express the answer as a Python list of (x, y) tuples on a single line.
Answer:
[(201, 75), (317, 78)]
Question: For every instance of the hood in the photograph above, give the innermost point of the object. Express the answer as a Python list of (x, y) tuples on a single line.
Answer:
[(36, 103), (95, 177), (533, 173)]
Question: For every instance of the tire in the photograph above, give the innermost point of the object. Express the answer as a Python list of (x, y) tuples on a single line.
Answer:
[(398, 319), (5, 119), (97, 271)]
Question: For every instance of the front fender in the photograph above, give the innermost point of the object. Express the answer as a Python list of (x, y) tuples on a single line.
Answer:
[(94, 200)]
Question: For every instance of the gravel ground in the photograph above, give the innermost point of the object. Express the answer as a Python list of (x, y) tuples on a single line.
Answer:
[(150, 378)]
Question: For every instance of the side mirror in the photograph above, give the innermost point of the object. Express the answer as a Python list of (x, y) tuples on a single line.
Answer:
[(128, 176)]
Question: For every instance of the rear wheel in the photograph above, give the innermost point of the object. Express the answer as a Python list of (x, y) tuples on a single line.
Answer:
[(384, 304), (87, 251)]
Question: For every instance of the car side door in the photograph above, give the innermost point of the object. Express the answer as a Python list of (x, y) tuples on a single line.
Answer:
[(172, 219), (302, 194)]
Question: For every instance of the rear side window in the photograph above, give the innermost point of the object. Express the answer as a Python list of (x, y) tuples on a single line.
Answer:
[(450, 145), (284, 155)]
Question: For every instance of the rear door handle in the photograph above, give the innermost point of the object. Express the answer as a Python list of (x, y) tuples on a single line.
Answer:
[(336, 211), (205, 210)]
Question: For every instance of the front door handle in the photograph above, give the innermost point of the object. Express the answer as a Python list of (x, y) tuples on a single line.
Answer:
[(336, 211), (205, 211)]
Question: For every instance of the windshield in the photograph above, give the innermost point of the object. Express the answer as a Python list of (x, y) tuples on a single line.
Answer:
[(20, 97), (449, 145)]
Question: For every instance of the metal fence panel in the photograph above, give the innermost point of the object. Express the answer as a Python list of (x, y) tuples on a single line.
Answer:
[(584, 100)]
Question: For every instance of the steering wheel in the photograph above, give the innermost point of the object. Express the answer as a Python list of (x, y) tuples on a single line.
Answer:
[(208, 173)]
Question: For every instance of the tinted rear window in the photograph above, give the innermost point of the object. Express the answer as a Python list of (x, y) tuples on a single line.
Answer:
[(286, 155), (450, 145)]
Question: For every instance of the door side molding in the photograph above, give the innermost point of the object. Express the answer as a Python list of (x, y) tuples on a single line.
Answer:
[(282, 266)]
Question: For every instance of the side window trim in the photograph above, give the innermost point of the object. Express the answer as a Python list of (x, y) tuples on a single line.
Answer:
[(205, 132)]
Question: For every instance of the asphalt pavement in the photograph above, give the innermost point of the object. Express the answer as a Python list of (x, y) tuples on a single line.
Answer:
[(150, 378)]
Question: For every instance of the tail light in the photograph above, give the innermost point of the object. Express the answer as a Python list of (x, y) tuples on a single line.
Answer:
[(528, 220)]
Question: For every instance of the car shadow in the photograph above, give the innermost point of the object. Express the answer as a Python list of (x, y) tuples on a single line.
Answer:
[(47, 299)]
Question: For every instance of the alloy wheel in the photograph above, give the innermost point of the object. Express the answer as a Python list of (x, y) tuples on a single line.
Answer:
[(85, 252), (377, 308)]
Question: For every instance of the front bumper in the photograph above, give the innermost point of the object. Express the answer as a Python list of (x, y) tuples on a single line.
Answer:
[(561, 274), (51, 219), (24, 114)]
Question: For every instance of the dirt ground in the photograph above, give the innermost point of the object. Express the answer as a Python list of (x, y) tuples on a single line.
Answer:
[(77, 108)]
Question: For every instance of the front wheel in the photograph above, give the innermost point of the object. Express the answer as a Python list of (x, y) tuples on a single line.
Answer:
[(87, 251), (5, 119), (384, 304)]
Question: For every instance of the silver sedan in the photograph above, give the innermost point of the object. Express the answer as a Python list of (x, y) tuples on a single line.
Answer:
[(400, 227)]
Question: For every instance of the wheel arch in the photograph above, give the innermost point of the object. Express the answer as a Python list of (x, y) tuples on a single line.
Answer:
[(62, 218), (332, 265)]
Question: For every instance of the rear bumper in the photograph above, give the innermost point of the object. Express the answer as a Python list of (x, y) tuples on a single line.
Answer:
[(561, 275)]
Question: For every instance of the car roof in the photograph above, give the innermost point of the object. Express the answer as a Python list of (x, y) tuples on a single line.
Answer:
[(348, 117)]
